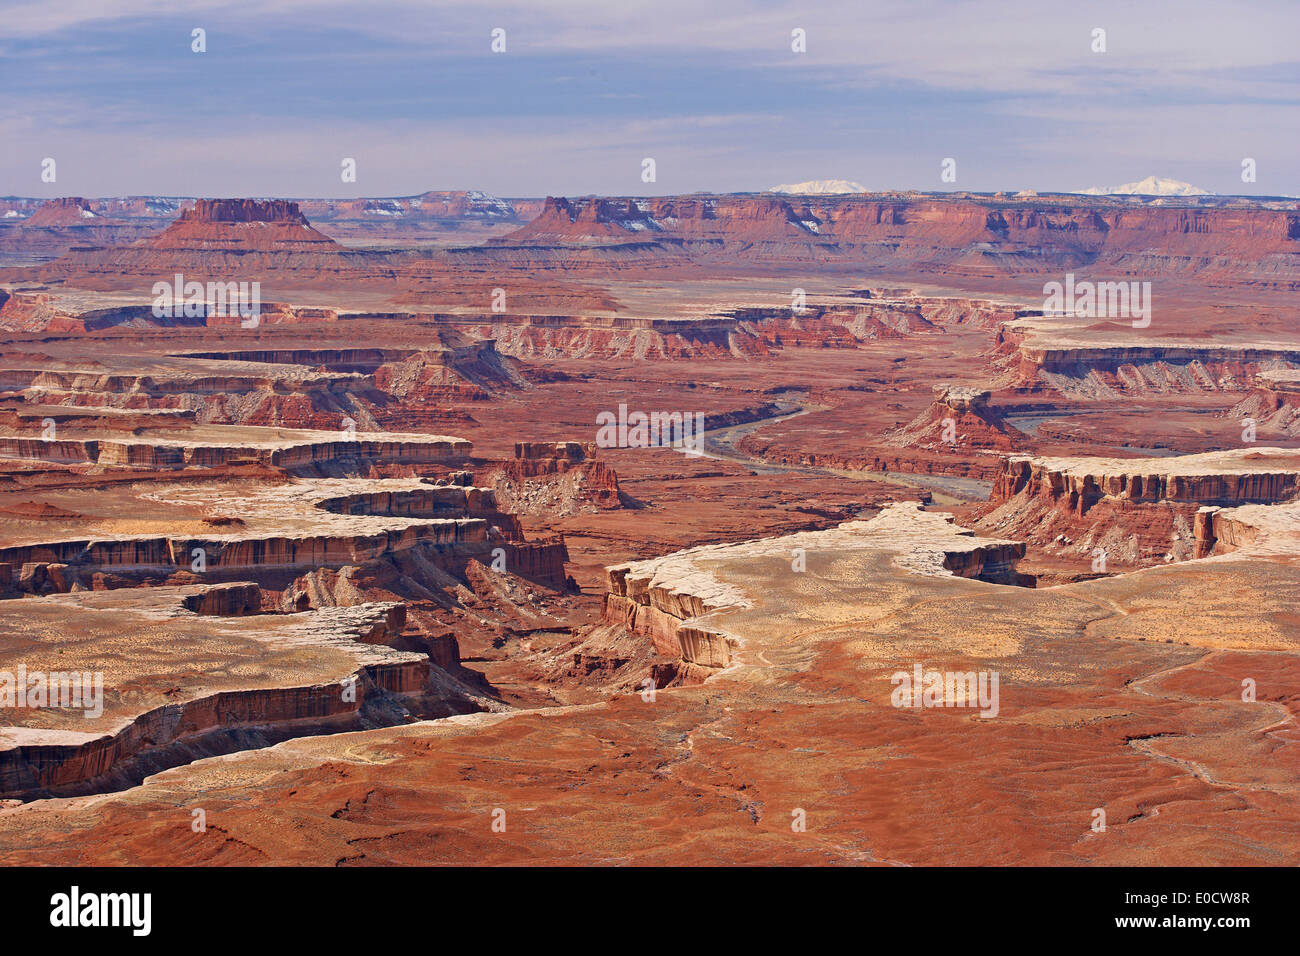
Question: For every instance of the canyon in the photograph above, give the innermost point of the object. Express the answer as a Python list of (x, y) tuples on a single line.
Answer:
[(366, 569)]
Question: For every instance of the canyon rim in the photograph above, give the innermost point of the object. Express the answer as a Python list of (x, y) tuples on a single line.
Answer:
[(484, 465)]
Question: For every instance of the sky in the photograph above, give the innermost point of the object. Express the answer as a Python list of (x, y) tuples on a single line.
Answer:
[(587, 89)]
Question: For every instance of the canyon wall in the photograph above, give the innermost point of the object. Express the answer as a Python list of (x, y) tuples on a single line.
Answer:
[(1136, 511), (961, 234), (387, 686)]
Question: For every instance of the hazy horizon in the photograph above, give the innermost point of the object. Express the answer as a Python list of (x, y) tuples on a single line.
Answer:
[(582, 94)]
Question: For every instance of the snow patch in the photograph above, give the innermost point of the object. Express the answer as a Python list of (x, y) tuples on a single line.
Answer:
[(820, 187), (1151, 186)]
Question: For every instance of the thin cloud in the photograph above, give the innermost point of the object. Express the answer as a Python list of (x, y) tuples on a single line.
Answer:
[(712, 91)]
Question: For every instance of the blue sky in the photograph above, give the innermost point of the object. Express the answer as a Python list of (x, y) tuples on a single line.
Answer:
[(585, 90)]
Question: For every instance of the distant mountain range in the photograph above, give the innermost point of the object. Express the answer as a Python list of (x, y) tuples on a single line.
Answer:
[(820, 187), (1151, 186)]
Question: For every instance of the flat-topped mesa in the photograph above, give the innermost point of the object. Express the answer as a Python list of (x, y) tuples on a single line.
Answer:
[(274, 677), (67, 211), (554, 479), (244, 210), (960, 417), (1106, 359), (302, 452), (217, 240), (962, 234), (1136, 510), (963, 398), (561, 450), (1249, 531), (208, 233), (284, 529), (1225, 478), (671, 600)]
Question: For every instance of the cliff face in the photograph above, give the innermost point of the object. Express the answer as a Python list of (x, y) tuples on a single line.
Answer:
[(910, 460), (1107, 359), (378, 389), (63, 451), (1265, 476), (381, 686), (1273, 402), (660, 612), (308, 457), (568, 451), (244, 210), (228, 600), (1044, 235), (1260, 531), (674, 600), (388, 389), (1137, 511), (470, 372), (288, 528), (554, 479), (36, 312), (959, 417), (747, 332), (166, 556)]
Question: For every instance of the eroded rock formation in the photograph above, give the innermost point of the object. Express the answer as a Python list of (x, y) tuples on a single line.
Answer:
[(959, 416), (356, 682), (671, 600), (554, 479), (1032, 235), (1133, 510)]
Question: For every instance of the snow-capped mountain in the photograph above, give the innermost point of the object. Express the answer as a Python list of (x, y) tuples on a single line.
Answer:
[(1151, 186), (820, 187)]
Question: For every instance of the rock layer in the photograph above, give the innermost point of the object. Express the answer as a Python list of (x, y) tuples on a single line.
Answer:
[(1134, 510)]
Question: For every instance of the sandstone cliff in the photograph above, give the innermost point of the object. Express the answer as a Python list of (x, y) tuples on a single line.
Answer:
[(959, 418), (554, 479), (376, 686), (959, 234), (672, 600), (1134, 510)]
